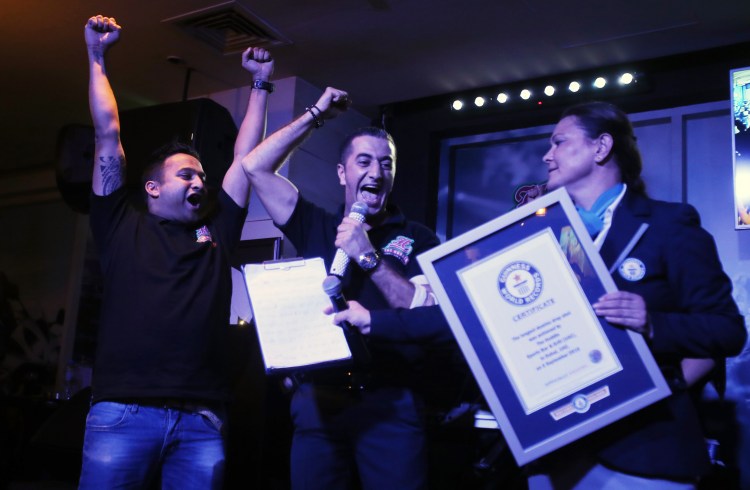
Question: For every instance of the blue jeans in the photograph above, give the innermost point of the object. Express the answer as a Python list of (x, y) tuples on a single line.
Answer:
[(377, 435), (132, 445)]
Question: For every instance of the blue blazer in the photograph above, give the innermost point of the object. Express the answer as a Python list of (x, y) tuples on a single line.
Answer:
[(675, 267)]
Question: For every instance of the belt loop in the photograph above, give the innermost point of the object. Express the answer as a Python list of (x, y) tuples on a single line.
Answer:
[(357, 381), (289, 384), (348, 381)]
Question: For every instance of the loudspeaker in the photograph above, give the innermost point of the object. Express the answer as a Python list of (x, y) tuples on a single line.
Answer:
[(201, 123)]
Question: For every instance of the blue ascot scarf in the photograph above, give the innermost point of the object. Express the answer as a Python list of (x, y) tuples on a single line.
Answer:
[(594, 217)]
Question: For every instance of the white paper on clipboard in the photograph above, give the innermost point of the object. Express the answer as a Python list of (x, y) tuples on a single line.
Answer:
[(287, 299)]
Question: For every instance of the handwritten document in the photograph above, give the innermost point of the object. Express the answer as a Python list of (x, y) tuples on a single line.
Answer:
[(287, 299)]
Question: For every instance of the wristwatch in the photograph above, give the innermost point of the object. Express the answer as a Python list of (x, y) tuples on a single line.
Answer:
[(368, 261), (263, 85)]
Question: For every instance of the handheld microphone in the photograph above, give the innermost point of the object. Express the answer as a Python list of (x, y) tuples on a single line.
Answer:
[(356, 341), (332, 287), (341, 260)]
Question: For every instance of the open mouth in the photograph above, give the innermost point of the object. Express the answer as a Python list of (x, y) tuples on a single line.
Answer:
[(370, 194), (195, 199)]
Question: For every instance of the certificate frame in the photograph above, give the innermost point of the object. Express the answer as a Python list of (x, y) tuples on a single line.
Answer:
[(519, 304)]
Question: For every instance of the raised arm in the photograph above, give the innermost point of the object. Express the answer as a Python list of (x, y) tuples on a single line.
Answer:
[(109, 158), (278, 195), (258, 62)]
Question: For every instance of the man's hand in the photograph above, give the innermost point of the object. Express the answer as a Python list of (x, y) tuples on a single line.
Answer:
[(258, 62), (333, 102), (625, 309), (101, 32), (352, 238), (356, 314)]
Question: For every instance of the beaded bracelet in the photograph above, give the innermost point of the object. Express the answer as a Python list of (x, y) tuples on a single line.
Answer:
[(316, 117)]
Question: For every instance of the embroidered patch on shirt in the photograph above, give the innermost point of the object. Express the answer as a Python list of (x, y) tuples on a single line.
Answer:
[(400, 247), (632, 269), (202, 234)]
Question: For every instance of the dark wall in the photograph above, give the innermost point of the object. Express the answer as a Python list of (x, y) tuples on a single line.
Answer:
[(201, 123), (419, 125)]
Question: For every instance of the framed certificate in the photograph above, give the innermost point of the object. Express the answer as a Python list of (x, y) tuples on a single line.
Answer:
[(517, 293)]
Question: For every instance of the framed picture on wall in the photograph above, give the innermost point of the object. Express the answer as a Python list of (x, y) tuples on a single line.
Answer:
[(517, 293), (740, 97), (487, 174)]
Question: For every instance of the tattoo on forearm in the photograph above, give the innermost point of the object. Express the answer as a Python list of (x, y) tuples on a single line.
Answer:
[(97, 53), (113, 173)]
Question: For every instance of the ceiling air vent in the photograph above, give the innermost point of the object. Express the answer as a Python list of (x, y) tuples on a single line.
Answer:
[(229, 27)]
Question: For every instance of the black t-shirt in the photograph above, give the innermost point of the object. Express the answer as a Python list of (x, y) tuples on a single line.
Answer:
[(312, 230), (166, 300)]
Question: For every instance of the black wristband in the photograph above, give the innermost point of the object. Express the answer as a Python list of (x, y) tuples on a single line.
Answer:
[(317, 120), (263, 85)]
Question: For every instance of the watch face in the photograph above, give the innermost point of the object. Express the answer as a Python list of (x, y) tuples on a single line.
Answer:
[(368, 261), (262, 85)]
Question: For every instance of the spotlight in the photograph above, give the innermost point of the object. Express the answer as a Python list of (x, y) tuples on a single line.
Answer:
[(502, 97), (549, 90), (479, 101), (600, 82), (574, 87), (626, 78), (525, 94), (457, 105)]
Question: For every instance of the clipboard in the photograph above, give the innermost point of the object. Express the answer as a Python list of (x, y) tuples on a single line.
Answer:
[(287, 300)]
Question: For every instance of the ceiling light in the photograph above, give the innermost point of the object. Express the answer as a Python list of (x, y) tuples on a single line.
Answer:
[(539, 91), (626, 78)]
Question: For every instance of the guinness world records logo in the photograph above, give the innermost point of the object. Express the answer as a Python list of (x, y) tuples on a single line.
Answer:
[(520, 283)]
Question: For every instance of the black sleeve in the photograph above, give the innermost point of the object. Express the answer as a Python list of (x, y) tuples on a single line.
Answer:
[(421, 324)]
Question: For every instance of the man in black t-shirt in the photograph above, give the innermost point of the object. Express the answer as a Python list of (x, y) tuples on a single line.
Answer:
[(159, 380), (364, 424)]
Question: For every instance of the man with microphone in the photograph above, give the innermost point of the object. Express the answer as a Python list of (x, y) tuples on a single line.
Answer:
[(361, 423)]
